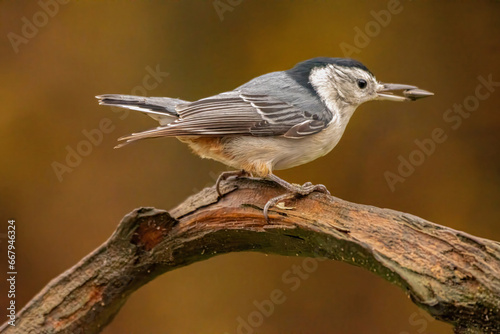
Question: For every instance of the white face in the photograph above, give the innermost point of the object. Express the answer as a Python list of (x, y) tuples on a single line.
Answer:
[(344, 88), (340, 86)]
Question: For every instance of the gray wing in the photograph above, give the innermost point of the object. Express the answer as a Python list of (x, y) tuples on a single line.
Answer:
[(239, 113)]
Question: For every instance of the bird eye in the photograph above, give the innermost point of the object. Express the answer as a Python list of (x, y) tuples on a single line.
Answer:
[(362, 83)]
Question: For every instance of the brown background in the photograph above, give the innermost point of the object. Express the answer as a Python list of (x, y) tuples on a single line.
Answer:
[(47, 94)]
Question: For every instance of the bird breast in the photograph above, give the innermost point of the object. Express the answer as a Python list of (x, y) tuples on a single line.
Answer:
[(280, 152), (261, 155)]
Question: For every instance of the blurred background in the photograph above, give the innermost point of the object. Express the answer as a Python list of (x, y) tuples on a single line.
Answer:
[(56, 57)]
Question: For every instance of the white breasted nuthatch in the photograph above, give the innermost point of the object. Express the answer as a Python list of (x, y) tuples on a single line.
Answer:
[(275, 121)]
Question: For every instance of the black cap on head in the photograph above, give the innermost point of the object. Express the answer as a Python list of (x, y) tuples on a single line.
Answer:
[(301, 71)]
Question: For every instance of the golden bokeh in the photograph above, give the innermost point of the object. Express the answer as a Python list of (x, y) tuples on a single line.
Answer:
[(56, 56)]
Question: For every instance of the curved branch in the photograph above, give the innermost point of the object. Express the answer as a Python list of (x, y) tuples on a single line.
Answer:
[(452, 275)]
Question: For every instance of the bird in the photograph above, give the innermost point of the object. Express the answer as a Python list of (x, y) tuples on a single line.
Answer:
[(275, 121)]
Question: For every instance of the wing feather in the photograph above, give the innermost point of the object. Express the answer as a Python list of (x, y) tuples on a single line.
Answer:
[(236, 113)]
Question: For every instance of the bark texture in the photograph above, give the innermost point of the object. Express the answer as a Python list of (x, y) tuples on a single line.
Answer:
[(452, 275)]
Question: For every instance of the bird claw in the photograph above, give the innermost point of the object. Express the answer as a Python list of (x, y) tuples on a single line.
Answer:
[(293, 191), (273, 201), (308, 188), (229, 174)]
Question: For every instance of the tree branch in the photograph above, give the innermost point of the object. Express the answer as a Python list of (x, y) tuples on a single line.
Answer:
[(452, 275)]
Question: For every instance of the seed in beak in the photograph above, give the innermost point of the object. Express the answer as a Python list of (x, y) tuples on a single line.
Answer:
[(416, 93)]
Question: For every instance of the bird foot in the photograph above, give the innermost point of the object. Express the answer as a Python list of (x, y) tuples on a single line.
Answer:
[(229, 174), (294, 190)]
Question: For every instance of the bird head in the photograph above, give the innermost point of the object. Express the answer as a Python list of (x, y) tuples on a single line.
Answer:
[(344, 84)]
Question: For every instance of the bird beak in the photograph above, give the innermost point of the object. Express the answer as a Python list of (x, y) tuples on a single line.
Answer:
[(410, 93)]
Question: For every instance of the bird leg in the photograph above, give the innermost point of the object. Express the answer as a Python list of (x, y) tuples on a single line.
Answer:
[(293, 191), (225, 175)]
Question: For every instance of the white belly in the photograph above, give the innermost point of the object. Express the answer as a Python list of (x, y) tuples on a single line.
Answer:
[(283, 153)]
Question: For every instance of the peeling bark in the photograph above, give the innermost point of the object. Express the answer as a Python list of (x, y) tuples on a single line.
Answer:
[(452, 275)]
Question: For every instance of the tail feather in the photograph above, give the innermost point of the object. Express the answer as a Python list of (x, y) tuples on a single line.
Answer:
[(159, 106), (161, 109), (125, 140)]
